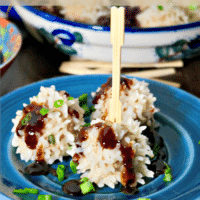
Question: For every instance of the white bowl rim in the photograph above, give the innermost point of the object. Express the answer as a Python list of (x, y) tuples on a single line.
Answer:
[(53, 18)]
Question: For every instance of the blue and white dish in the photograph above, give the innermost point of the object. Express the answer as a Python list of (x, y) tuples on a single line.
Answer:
[(179, 126), (142, 45)]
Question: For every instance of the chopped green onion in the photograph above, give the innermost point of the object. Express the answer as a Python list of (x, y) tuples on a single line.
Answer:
[(73, 166), (87, 110), (84, 179), (29, 116), (199, 141), (44, 111), (143, 199), (160, 8), (33, 191), (92, 109), (168, 176), (168, 170), (58, 103), (87, 187), (20, 191), (70, 148), (60, 172), (26, 119), (36, 96), (70, 98), (192, 7), (44, 197), (86, 125), (83, 100), (26, 191), (51, 139)]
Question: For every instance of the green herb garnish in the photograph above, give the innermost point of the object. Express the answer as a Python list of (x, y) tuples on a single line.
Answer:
[(199, 141), (58, 103), (192, 7), (84, 179), (87, 187), (70, 98), (44, 111), (160, 8), (70, 148), (86, 125), (60, 172), (73, 166), (168, 176), (51, 139), (92, 109), (83, 100), (20, 191), (143, 199), (26, 191), (26, 119), (44, 197)]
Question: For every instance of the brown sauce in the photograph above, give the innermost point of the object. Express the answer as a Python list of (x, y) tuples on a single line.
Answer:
[(72, 187), (82, 134), (124, 82), (73, 112), (128, 175), (36, 124), (77, 157), (40, 154), (107, 137), (67, 94), (37, 168)]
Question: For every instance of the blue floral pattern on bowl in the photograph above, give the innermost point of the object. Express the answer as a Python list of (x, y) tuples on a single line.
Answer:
[(62, 39), (179, 50)]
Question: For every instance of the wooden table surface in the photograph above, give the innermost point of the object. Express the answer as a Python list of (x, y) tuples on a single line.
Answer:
[(38, 61)]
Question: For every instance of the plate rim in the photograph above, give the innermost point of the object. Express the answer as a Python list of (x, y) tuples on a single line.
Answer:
[(48, 81)]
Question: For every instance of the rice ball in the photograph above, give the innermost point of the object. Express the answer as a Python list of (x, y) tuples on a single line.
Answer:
[(108, 153), (137, 101), (45, 129)]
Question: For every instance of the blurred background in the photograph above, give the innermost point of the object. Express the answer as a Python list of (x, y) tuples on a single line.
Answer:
[(51, 39)]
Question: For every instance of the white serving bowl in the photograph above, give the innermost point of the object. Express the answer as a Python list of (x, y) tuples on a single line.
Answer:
[(141, 45)]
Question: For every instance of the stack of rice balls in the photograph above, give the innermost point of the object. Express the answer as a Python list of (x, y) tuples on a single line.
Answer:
[(106, 153)]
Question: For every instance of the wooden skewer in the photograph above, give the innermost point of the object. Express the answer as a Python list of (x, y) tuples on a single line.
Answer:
[(117, 40)]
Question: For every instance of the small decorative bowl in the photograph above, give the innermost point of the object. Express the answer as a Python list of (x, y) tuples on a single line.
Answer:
[(141, 45), (10, 43)]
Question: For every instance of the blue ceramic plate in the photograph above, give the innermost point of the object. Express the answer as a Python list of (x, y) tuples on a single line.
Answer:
[(179, 118)]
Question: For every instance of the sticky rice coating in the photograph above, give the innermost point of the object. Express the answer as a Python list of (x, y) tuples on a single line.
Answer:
[(60, 123), (137, 101), (100, 153)]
